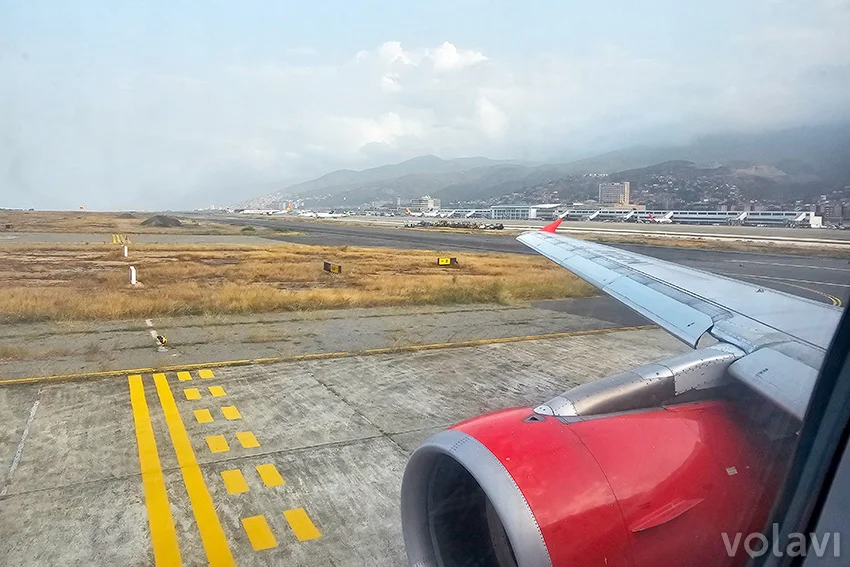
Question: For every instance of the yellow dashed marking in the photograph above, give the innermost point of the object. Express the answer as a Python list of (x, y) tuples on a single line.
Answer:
[(212, 535), (247, 439), (183, 376), (217, 444), (192, 394), (166, 551), (234, 482), (301, 524), (206, 373), (203, 416), (217, 391), (259, 534), (231, 413), (270, 476)]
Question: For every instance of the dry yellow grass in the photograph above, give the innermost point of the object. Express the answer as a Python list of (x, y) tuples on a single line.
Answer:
[(91, 222), (8, 352), (91, 282)]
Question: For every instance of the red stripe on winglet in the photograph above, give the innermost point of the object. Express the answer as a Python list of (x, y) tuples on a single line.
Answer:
[(552, 227)]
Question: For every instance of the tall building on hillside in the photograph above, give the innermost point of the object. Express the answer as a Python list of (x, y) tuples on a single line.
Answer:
[(614, 193), (424, 204)]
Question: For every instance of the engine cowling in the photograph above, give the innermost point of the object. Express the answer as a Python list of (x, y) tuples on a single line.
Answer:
[(644, 488)]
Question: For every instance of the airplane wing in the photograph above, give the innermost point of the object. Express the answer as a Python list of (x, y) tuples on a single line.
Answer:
[(784, 337)]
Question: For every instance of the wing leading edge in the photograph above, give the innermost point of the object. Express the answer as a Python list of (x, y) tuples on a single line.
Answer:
[(784, 337)]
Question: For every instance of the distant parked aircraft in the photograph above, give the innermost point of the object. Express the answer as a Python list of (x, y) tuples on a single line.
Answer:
[(423, 214), (666, 219)]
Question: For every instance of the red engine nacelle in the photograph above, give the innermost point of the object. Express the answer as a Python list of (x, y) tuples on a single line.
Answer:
[(649, 488)]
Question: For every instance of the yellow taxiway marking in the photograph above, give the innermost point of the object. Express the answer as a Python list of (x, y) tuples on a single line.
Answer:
[(190, 393), (166, 551), (217, 391), (212, 535), (184, 376), (234, 482), (321, 355), (230, 413), (203, 416), (271, 478), (259, 533), (301, 524), (205, 373), (247, 439), (217, 443)]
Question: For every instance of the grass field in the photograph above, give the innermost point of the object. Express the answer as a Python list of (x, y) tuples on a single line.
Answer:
[(115, 223), (91, 282)]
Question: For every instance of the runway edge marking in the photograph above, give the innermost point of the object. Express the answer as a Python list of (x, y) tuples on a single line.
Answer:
[(322, 355)]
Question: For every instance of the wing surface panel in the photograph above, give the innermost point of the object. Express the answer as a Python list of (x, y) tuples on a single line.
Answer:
[(785, 336)]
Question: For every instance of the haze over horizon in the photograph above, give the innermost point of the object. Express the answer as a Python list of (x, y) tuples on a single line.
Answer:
[(120, 105)]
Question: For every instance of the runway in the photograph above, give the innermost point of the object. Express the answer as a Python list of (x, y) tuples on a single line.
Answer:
[(818, 278)]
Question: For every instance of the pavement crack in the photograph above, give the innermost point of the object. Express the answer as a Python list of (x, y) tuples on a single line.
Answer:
[(351, 405), (202, 464), (425, 428), (300, 448)]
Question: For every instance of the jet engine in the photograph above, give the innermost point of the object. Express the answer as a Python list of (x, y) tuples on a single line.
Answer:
[(650, 467)]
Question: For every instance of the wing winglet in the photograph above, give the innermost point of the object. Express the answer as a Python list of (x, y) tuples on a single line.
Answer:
[(553, 226)]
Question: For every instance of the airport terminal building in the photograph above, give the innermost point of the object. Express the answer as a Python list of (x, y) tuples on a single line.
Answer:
[(747, 218), (524, 212)]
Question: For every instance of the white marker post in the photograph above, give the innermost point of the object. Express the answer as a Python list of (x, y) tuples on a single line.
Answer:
[(132, 275), (125, 251)]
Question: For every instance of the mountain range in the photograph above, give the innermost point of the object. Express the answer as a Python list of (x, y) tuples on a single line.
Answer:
[(800, 161)]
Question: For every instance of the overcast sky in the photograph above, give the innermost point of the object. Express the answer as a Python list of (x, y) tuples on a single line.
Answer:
[(128, 104)]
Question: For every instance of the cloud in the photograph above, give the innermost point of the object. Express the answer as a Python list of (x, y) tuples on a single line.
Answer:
[(357, 132), (391, 52), (491, 119), (389, 83), (157, 136), (447, 57)]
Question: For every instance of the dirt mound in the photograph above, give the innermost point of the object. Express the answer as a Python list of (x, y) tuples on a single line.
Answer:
[(163, 221), (127, 216)]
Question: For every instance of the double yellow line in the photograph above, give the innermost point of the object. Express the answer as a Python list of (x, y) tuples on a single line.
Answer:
[(163, 534)]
